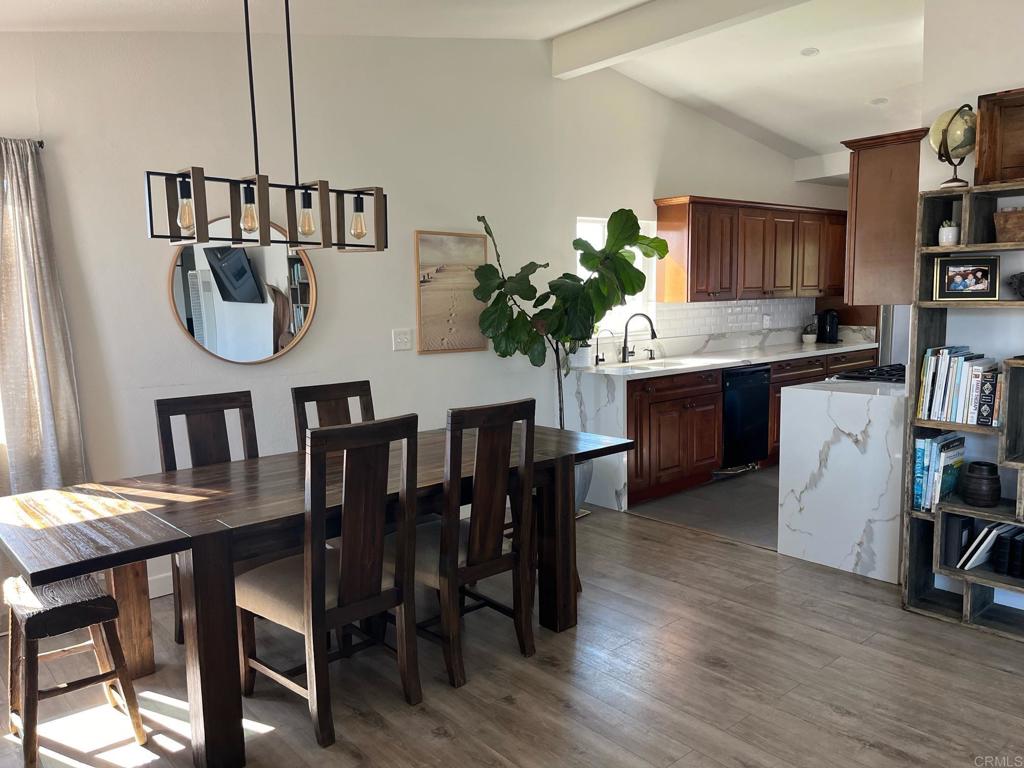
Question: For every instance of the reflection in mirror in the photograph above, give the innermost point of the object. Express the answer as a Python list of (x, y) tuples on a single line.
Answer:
[(245, 305)]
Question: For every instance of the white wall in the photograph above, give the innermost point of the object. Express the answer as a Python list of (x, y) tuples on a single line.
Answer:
[(451, 128)]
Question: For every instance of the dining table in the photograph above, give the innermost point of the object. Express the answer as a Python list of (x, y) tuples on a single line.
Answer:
[(215, 516)]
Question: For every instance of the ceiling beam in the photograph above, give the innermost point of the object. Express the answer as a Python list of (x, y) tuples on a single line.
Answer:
[(646, 28)]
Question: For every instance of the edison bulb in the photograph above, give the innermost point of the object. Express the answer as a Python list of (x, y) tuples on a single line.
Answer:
[(186, 210), (307, 224), (358, 228), (249, 220)]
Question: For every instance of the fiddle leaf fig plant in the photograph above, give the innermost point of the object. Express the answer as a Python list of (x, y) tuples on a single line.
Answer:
[(520, 320)]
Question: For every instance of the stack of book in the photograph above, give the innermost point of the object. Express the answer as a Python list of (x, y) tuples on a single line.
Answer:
[(999, 544), (937, 464), (960, 387)]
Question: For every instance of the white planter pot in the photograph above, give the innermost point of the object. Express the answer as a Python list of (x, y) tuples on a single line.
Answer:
[(949, 235)]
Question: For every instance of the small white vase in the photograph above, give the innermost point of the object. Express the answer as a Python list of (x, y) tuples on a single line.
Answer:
[(809, 338), (949, 235)]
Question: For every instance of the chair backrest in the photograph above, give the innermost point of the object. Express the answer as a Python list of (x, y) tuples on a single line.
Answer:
[(332, 406), (366, 450), (493, 471), (207, 427)]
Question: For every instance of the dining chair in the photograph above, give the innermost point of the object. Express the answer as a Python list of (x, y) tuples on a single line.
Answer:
[(454, 553), (332, 405), (50, 611), (208, 443), (334, 587)]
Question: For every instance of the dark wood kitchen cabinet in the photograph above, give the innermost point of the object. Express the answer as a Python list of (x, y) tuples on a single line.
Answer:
[(676, 422), (882, 222), (727, 249), (767, 253)]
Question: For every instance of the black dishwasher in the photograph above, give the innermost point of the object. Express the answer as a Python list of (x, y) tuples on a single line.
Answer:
[(746, 396)]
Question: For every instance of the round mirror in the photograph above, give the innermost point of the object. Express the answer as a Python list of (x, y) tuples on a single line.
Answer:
[(243, 305)]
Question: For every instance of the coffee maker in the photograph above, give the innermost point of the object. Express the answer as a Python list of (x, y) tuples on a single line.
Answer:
[(828, 327)]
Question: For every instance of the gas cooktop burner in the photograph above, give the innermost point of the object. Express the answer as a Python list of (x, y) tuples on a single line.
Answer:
[(896, 374)]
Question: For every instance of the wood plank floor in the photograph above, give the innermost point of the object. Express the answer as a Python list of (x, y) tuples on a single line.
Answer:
[(691, 652)]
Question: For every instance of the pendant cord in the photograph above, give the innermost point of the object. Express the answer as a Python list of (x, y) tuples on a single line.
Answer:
[(291, 87), (252, 91)]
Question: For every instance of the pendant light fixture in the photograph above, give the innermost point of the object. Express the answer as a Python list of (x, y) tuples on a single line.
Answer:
[(322, 225)]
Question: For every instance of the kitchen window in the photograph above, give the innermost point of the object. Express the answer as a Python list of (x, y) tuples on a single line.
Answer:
[(595, 232)]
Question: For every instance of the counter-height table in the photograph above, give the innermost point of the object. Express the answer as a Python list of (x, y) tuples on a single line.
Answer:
[(216, 515)]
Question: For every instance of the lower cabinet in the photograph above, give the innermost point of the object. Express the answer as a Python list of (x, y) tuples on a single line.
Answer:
[(678, 434)]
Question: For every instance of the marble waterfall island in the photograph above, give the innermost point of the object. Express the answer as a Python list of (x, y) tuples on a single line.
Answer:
[(840, 475)]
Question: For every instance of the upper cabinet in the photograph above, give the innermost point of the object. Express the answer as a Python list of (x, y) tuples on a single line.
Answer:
[(727, 249), (882, 221)]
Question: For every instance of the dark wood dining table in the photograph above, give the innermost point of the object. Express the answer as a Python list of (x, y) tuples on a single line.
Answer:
[(217, 515)]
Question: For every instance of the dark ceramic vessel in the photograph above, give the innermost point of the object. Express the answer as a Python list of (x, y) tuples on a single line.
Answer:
[(981, 484)]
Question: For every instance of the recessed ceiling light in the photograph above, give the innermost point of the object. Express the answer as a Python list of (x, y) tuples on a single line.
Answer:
[(878, 101), (812, 51)]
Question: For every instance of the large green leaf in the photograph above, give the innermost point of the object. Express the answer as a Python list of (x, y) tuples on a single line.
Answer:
[(590, 261), (652, 247), (519, 284), (495, 317), (542, 299), (550, 321), (538, 350), (582, 245), (488, 280), (623, 230), (631, 279), (505, 345)]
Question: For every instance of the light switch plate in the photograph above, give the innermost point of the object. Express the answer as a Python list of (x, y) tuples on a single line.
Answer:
[(401, 339), (766, 322)]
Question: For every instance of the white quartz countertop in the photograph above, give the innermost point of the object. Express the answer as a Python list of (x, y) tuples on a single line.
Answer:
[(872, 388), (733, 358)]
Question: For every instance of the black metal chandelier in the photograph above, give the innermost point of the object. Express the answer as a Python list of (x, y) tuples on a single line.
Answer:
[(338, 221)]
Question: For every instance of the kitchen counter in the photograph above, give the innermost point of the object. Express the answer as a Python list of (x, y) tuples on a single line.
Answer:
[(704, 361), (840, 475)]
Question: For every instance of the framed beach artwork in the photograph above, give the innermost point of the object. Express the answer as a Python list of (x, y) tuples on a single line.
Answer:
[(447, 313)]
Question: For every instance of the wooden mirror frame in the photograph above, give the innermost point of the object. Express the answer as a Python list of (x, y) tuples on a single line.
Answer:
[(300, 252)]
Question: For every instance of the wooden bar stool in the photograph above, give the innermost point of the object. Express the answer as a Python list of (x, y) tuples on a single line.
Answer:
[(52, 610)]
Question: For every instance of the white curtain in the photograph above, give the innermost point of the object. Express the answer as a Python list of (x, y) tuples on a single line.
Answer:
[(40, 430)]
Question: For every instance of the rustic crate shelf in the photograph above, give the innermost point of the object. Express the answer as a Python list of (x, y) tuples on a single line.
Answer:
[(977, 429), (1004, 512), (922, 540)]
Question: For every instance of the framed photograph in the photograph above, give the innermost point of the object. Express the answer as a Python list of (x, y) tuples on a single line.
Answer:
[(447, 313), (967, 278)]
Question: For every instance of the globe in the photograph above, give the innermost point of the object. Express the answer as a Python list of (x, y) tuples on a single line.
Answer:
[(961, 133)]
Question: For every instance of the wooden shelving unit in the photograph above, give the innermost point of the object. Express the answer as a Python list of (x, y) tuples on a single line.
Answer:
[(923, 530), (298, 291)]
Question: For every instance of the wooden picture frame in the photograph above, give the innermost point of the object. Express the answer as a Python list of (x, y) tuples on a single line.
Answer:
[(966, 278), (447, 313)]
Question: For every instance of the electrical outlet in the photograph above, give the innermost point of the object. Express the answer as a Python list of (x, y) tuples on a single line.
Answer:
[(401, 339), (766, 322)]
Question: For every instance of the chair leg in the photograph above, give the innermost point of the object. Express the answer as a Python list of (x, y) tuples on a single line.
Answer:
[(451, 632), (179, 626), (124, 680), (318, 687), (405, 642), (246, 649), (15, 651), (522, 605), (103, 661), (30, 701)]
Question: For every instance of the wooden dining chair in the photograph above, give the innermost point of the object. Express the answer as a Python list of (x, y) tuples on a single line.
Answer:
[(208, 443), (453, 554), (334, 587), (332, 405), (49, 611)]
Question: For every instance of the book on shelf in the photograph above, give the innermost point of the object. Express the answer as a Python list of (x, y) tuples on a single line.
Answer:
[(937, 465), (959, 387), (959, 532), (981, 550)]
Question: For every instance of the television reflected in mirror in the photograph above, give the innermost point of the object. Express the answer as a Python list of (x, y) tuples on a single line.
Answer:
[(243, 305)]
